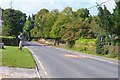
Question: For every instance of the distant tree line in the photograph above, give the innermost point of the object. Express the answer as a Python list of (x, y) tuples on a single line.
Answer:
[(66, 26)]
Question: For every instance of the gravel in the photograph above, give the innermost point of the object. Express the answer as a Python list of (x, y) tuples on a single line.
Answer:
[(8, 72)]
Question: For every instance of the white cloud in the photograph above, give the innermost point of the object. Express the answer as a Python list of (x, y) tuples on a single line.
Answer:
[(30, 6)]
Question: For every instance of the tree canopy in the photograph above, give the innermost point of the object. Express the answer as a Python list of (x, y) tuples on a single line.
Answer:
[(66, 25), (13, 22)]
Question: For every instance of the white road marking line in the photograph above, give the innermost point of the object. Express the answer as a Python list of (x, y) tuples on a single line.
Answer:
[(38, 73), (45, 73), (39, 62), (35, 57)]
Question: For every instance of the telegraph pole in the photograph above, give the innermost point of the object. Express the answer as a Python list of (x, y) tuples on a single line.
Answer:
[(99, 4), (0, 23)]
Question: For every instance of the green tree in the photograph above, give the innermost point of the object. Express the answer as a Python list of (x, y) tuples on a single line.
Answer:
[(83, 13), (50, 19), (28, 27), (74, 30), (13, 22), (40, 23), (105, 20), (106, 24), (96, 29), (116, 18), (71, 32), (58, 28)]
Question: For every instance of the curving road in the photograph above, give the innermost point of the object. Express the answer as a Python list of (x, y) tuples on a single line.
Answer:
[(55, 63)]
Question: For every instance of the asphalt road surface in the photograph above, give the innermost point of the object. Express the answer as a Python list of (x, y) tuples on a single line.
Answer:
[(55, 63)]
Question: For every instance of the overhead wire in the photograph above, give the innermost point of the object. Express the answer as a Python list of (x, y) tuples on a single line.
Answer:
[(99, 4)]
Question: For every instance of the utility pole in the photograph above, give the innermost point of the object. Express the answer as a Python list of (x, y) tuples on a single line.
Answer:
[(0, 22), (99, 4)]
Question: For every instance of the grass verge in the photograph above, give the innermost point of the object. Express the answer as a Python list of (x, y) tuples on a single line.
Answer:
[(88, 46), (13, 57)]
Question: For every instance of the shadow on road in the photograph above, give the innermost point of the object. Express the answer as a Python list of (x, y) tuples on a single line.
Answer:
[(32, 44)]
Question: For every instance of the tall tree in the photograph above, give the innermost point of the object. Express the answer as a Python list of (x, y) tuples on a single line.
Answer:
[(28, 27), (13, 22), (105, 20), (40, 22), (83, 13), (63, 18), (72, 32), (116, 17), (50, 19)]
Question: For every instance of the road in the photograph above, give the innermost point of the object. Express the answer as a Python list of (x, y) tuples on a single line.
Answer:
[(55, 63)]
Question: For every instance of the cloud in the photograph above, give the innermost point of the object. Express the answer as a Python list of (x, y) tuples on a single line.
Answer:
[(30, 6)]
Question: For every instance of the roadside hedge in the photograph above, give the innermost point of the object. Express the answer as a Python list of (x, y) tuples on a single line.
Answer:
[(9, 40)]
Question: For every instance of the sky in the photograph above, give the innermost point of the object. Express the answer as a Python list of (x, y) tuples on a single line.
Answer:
[(33, 6)]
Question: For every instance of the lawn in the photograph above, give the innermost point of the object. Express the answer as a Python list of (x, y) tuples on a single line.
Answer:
[(13, 57)]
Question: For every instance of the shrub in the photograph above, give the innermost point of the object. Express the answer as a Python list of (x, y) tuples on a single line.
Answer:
[(100, 44), (105, 51), (9, 40), (71, 43), (113, 55)]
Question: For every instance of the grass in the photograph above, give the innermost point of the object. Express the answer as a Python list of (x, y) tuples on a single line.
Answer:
[(10, 37), (13, 57), (85, 45), (88, 46)]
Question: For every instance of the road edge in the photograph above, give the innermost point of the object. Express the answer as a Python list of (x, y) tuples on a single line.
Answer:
[(99, 58), (37, 69)]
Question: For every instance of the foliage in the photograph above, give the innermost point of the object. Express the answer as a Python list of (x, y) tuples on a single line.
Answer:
[(29, 25), (11, 37), (13, 22), (76, 28), (9, 40), (96, 29), (63, 18), (100, 42), (83, 13), (113, 55), (105, 20), (51, 18), (116, 18), (40, 23), (84, 45), (65, 26)]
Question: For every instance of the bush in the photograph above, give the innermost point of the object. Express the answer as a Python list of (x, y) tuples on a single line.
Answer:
[(83, 44), (9, 40), (71, 43), (100, 44), (105, 51), (113, 55)]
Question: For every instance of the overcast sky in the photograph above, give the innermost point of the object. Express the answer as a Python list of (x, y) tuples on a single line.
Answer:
[(33, 6)]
